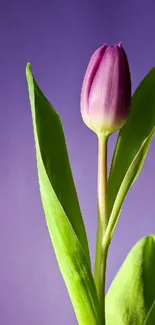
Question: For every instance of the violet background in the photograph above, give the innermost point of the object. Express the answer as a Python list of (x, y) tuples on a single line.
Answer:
[(58, 38)]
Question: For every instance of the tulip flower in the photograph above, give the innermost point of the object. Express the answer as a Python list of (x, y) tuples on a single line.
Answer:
[(105, 106), (106, 90)]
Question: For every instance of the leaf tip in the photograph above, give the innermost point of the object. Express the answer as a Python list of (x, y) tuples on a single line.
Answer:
[(151, 237), (28, 68)]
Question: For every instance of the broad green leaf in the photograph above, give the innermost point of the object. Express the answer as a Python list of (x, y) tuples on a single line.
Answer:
[(54, 154), (130, 176), (61, 207), (150, 319), (135, 132), (132, 291)]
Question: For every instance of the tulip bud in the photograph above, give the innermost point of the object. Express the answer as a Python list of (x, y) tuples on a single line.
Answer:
[(106, 90)]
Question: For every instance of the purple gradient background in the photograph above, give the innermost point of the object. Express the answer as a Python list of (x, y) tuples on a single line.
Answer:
[(58, 38)]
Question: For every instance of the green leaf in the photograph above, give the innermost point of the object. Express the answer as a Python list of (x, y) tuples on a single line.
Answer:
[(50, 136), (132, 292), (139, 128), (130, 177), (60, 203), (150, 319)]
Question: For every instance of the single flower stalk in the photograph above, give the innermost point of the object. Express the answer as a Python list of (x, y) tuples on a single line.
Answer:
[(105, 106)]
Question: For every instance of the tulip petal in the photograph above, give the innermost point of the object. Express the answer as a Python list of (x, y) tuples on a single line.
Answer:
[(106, 90)]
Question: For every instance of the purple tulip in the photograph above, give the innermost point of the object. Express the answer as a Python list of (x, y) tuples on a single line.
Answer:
[(106, 90)]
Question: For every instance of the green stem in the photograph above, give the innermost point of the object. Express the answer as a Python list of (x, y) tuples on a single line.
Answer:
[(101, 251)]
